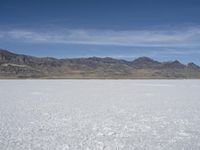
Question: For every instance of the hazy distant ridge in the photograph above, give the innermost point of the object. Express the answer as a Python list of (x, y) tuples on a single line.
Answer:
[(22, 66)]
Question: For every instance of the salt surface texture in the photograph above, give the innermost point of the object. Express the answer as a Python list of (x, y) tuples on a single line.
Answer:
[(99, 114)]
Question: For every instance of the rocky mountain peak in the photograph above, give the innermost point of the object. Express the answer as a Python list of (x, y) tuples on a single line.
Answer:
[(145, 62), (191, 65)]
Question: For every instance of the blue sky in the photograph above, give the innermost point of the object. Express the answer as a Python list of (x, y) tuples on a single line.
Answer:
[(125, 29)]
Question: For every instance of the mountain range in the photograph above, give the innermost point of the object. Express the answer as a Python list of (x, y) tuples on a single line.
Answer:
[(14, 66)]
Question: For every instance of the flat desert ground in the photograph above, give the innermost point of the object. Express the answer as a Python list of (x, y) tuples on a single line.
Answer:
[(99, 114)]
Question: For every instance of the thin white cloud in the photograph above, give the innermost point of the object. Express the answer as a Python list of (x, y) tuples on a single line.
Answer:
[(189, 37), (179, 52)]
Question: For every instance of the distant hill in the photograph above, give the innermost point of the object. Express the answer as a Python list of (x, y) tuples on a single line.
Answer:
[(22, 66)]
